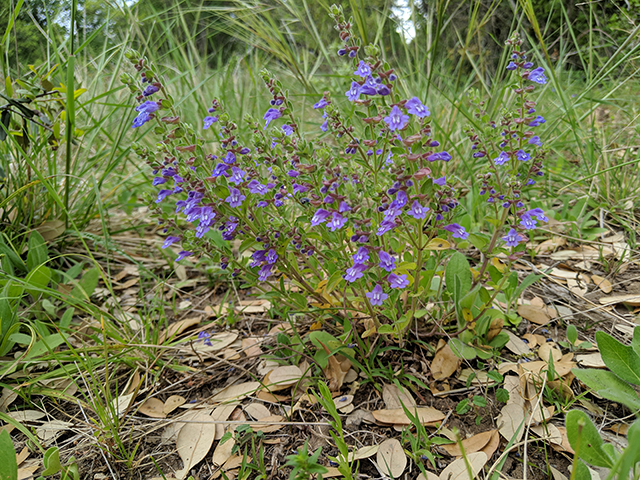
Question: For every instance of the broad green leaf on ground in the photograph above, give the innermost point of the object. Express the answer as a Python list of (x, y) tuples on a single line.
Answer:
[(8, 464), (610, 386), (621, 359), (585, 439)]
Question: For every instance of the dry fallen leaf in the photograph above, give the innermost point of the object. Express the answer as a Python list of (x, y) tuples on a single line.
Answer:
[(153, 407), (395, 398), (593, 360), (222, 452), (632, 299), (221, 414), (235, 392), (511, 419), (251, 347), (337, 368), (173, 402), (362, 453), (25, 415), (457, 470), (391, 458), (602, 283), (177, 328), (534, 314), (516, 345), (548, 349), (281, 378), (49, 431), (470, 445), (194, 442), (426, 415), (445, 363), (257, 410), (265, 427)]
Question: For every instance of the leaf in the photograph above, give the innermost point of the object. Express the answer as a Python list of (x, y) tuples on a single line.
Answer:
[(86, 285), (437, 244), (173, 402), (235, 392), (223, 451), (515, 344), (194, 442), (534, 314), (602, 283), (397, 416), (177, 328), (38, 253), (444, 364), (153, 407), (632, 299), (510, 421), (281, 378), (51, 461), (51, 229), (457, 470), (394, 398), (472, 444), (621, 359), (458, 267), (585, 439), (8, 463), (391, 458), (610, 386)]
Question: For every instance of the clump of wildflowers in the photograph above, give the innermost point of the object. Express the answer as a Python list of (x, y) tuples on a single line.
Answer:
[(356, 217)]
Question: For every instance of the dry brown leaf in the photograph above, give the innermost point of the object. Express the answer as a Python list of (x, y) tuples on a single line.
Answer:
[(122, 403), (257, 410), (548, 349), (221, 414), (22, 456), (480, 377), (27, 473), (25, 415), (534, 314), (512, 385), (336, 371), (153, 407), (495, 328), (516, 345), (362, 453), (281, 378), (194, 442), (457, 470), (426, 415), (235, 392), (7, 398), (593, 360), (444, 364), (395, 398), (49, 431), (430, 476), (177, 328), (549, 432), (511, 419), (170, 434), (566, 446), (532, 341), (470, 445), (173, 402), (251, 347), (561, 368), (343, 401), (265, 427), (632, 299), (620, 428), (51, 229), (493, 444), (332, 472), (550, 245), (391, 458), (218, 342), (222, 452), (271, 397)]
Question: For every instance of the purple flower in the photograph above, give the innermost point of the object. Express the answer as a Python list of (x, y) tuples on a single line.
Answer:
[(183, 254), (344, 207), (150, 90), (361, 256), (325, 126), (385, 226), (237, 175), (147, 107), (229, 158), (444, 156), (297, 188), (537, 75), (219, 169), (440, 181), (364, 70), (512, 66), (271, 257), (256, 187), (337, 222), (159, 181), (235, 198), (536, 122), (513, 238), (396, 119), (354, 92), (401, 199), (535, 140), (287, 129), (264, 273), (377, 296), (398, 281), (527, 222), (205, 337), (522, 155), (162, 194), (369, 87), (208, 121), (539, 214), (501, 159), (415, 107), (355, 272), (293, 173), (457, 231), (170, 240), (319, 217), (261, 204), (417, 211), (387, 262), (272, 114), (320, 104)]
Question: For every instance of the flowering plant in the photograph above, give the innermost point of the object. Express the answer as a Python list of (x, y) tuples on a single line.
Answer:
[(356, 219)]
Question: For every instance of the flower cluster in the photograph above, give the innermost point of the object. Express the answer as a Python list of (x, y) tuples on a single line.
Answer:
[(359, 206)]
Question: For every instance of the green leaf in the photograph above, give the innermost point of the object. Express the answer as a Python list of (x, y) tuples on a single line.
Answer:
[(630, 455), (572, 334), (38, 253), (528, 281), (8, 463), (334, 281), (86, 285), (609, 385), (585, 439), (621, 359), (461, 349), (635, 343), (458, 266), (582, 471), (37, 280), (51, 461), (385, 329)]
